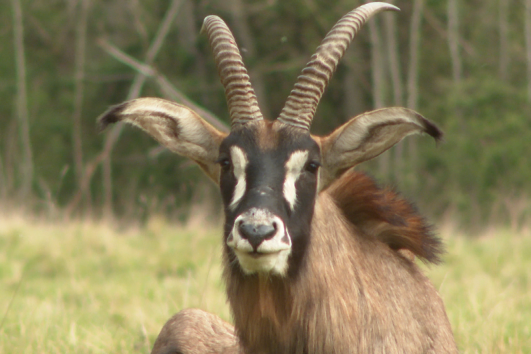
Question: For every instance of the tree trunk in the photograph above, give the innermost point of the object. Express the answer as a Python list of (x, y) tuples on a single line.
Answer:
[(528, 46), (79, 78), (10, 161), (3, 184), (396, 82), (504, 48), (393, 54), (352, 102), (22, 104), (453, 41), (378, 75), (412, 79), (414, 44)]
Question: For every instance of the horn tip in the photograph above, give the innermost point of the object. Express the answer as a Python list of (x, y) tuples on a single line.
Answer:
[(203, 27), (392, 7), (383, 6), (205, 21)]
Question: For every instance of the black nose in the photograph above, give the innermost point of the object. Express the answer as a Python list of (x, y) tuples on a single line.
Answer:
[(256, 233)]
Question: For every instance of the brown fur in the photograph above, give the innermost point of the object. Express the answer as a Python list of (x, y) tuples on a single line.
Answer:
[(385, 216), (358, 290), (196, 331), (267, 137), (354, 294)]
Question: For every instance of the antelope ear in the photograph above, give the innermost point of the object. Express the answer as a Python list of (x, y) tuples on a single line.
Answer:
[(367, 136), (176, 127)]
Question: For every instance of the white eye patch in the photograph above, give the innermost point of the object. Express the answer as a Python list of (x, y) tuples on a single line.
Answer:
[(239, 164), (294, 167)]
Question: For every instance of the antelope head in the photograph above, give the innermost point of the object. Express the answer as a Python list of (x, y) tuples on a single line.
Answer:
[(271, 172)]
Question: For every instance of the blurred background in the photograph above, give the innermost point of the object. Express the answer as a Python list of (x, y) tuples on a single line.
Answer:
[(465, 65), (104, 236)]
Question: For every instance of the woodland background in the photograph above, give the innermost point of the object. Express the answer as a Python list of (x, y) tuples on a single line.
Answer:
[(465, 65)]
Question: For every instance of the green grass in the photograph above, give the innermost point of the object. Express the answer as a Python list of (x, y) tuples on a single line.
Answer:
[(87, 288), (486, 286), (84, 288)]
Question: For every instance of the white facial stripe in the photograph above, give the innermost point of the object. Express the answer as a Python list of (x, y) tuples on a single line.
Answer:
[(239, 163), (294, 167)]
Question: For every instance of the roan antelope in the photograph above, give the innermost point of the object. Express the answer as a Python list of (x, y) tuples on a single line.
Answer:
[(317, 258)]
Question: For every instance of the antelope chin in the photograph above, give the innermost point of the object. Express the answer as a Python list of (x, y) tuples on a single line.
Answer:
[(257, 262)]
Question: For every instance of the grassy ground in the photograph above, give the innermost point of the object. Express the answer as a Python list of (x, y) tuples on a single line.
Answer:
[(86, 288)]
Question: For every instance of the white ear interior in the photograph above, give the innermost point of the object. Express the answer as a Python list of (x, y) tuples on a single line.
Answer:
[(175, 126), (367, 136)]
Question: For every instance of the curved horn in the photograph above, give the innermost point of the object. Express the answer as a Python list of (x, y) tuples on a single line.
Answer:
[(302, 102), (241, 99)]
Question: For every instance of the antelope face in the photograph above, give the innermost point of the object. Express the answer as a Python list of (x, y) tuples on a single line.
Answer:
[(268, 181)]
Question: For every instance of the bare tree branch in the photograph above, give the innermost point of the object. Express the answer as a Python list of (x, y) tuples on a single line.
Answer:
[(141, 68), (90, 168), (144, 70), (112, 137), (173, 93), (168, 89), (134, 7)]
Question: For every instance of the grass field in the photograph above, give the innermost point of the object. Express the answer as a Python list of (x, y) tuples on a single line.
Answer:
[(88, 288)]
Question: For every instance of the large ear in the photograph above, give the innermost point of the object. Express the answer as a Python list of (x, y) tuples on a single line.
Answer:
[(368, 135), (176, 127)]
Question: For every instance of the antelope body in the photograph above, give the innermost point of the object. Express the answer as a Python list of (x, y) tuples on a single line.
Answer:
[(317, 258)]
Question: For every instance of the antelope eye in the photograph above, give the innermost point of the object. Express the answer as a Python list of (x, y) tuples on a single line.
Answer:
[(312, 166), (224, 162)]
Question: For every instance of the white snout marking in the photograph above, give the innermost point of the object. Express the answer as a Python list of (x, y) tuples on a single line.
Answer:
[(272, 255), (294, 167), (239, 164)]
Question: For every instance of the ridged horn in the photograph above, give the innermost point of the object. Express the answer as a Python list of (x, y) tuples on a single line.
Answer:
[(303, 100), (241, 99)]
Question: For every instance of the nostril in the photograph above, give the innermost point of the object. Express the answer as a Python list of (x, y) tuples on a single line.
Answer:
[(268, 231), (256, 234)]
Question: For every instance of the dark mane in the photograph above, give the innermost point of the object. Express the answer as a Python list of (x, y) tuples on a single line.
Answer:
[(385, 215)]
